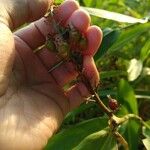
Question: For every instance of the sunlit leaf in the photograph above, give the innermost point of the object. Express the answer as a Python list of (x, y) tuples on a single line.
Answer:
[(107, 31), (142, 94), (58, 2), (146, 132), (86, 2), (113, 15), (101, 140), (129, 34), (71, 137), (134, 69), (146, 143), (143, 97), (146, 71)]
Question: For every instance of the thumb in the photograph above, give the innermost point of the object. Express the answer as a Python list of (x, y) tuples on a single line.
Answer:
[(6, 56), (14, 13)]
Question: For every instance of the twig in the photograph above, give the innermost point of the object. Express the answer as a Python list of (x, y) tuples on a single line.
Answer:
[(58, 64), (85, 80), (121, 140), (132, 116)]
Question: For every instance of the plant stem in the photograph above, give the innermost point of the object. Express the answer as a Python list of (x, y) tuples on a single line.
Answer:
[(97, 98), (132, 116), (39, 48), (121, 140)]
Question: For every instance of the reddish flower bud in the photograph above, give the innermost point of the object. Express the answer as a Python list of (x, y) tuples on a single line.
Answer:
[(113, 104)]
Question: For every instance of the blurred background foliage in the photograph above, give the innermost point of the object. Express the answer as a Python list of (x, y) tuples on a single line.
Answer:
[(123, 61)]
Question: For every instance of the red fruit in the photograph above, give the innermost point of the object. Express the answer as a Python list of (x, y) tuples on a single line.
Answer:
[(113, 104)]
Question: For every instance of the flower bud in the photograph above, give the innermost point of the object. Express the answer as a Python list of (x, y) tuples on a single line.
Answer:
[(74, 37), (63, 49), (113, 104), (83, 44), (50, 45)]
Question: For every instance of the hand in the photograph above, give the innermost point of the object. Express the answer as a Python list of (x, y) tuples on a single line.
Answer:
[(32, 101)]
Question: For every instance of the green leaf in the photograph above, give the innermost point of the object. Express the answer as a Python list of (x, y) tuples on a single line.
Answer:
[(142, 94), (127, 97), (148, 122), (130, 131), (87, 2), (101, 140), (113, 15), (145, 52), (146, 132), (134, 69), (112, 73), (58, 2), (146, 143), (82, 108), (129, 34), (71, 137), (109, 39)]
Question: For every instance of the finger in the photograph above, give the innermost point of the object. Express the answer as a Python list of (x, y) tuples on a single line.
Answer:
[(65, 73), (94, 37), (82, 23), (80, 19), (90, 70), (19, 12), (34, 71), (77, 94), (35, 34), (13, 14), (62, 74), (7, 54)]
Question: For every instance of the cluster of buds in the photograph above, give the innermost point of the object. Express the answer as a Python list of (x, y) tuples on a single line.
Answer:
[(67, 42)]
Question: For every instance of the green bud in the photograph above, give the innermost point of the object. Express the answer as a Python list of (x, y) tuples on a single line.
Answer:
[(63, 49), (50, 45), (83, 43), (74, 37)]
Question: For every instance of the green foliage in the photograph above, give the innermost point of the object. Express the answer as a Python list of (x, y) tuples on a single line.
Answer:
[(130, 131), (128, 34), (101, 140), (124, 64), (57, 2), (126, 97), (146, 141), (110, 37), (71, 137), (145, 51)]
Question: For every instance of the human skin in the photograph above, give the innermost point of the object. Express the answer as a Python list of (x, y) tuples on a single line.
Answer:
[(33, 102)]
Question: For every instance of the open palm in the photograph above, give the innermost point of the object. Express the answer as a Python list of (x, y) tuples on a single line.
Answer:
[(33, 102)]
